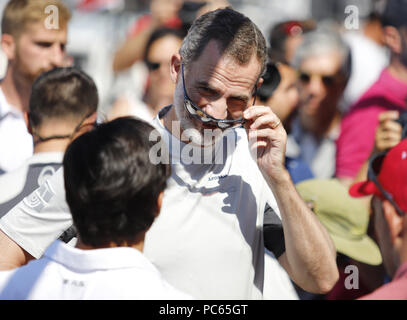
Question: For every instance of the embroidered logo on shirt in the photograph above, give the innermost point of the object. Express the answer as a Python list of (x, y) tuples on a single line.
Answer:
[(39, 198), (217, 177), (75, 283)]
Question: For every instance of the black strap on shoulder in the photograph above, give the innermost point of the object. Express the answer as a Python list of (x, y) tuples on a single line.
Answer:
[(68, 234), (36, 175), (273, 232)]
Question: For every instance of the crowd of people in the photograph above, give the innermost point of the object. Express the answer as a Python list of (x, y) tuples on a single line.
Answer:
[(255, 166)]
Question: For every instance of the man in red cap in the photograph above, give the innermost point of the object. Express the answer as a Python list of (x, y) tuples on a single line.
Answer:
[(387, 182)]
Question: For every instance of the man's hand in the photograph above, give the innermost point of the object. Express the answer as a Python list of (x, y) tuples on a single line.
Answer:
[(267, 139), (388, 133)]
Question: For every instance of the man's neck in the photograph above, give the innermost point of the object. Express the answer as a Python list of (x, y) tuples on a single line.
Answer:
[(16, 90), (56, 145), (139, 245)]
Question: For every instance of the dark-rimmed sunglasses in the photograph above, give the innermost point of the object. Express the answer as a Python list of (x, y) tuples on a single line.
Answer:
[(327, 80), (375, 164), (67, 136), (202, 116)]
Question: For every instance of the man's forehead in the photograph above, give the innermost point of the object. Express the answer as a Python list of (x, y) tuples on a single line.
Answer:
[(212, 61), (39, 29)]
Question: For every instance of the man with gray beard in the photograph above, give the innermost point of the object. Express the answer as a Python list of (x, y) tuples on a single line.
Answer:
[(209, 240)]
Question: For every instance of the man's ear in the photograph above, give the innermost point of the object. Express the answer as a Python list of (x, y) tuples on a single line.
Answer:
[(394, 221), (8, 45), (392, 39), (175, 67), (27, 122), (259, 83)]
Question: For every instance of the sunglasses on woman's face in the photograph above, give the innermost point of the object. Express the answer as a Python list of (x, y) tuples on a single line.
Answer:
[(205, 118), (327, 80), (375, 165)]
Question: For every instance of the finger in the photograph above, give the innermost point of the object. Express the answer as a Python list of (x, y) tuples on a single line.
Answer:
[(267, 134), (268, 121), (388, 115), (256, 111)]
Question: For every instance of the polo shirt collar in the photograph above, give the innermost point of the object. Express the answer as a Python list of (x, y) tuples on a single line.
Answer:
[(6, 108), (96, 259)]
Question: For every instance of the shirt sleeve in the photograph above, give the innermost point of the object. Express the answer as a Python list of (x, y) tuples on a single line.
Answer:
[(356, 140), (40, 218), (273, 232)]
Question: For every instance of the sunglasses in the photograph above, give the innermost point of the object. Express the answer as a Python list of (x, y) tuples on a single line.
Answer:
[(67, 136), (375, 165), (202, 116), (328, 81), (152, 66)]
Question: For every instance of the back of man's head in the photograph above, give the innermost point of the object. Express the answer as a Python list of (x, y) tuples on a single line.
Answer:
[(236, 35), (18, 14), (112, 187), (62, 94)]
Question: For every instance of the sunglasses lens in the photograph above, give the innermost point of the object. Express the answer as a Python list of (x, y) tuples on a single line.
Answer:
[(328, 80), (189, 107), (152, 65), (305, 77), (377, 164)]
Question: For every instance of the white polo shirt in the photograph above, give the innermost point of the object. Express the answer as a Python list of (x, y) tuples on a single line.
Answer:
[(207, 240), (66, 273), (16, 143)]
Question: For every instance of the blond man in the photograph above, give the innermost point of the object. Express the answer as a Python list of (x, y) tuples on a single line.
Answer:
[(34, 36)]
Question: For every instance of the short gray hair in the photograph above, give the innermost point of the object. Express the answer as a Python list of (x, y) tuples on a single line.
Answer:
[(236, 35), (324, 40)]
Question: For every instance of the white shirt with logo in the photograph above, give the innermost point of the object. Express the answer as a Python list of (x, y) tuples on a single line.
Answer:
[(207, 240)]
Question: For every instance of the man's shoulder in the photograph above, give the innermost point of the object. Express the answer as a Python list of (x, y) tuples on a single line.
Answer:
[(395, 290)]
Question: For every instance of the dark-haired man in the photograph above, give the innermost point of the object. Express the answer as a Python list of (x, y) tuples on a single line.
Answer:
[(208, 241), (62, 101), (114, 194), (33, 39)]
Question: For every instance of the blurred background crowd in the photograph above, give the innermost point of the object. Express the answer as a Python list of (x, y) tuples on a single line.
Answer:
[(99, 30), (333, 69)]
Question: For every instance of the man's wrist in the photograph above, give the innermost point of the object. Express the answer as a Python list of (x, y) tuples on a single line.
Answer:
[(278, 177)]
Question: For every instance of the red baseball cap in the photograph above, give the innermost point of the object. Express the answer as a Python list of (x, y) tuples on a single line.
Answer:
[(392, 176)]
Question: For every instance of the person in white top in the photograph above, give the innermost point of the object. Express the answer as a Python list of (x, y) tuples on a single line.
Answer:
[(57, 107), (208, 240), (114, 194), (31, 46)]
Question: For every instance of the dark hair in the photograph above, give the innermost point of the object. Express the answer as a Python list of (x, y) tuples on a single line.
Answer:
[(62, 93), (395, 14), (111, 185), (237, 36), (279, 34), (162, 33)]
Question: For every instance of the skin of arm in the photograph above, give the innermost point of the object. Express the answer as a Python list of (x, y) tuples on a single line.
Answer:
[(12, 255), (310, 257)]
